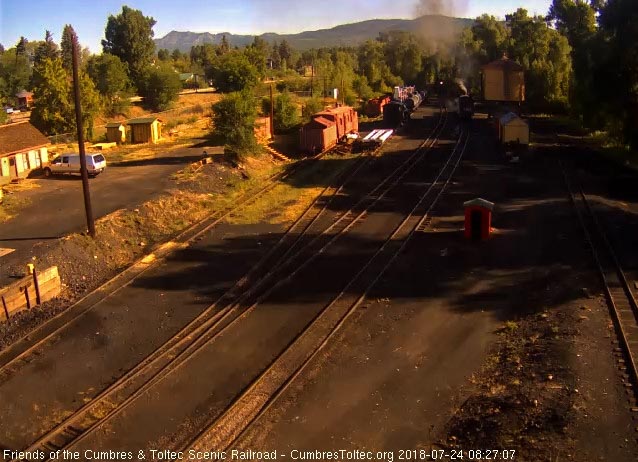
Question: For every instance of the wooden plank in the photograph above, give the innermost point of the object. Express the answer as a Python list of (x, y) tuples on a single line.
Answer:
[(5, 251), (17, 294)]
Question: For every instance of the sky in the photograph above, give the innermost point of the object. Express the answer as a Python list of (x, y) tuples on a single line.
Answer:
[(88, 17)]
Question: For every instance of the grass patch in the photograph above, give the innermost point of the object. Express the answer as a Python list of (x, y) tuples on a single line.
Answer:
[(126, 235), (287, 201)]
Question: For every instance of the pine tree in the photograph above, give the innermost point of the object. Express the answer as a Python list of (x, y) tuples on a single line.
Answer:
[(66, 44)]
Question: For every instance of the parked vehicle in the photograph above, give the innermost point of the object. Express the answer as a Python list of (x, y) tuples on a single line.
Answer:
[(70, 164)]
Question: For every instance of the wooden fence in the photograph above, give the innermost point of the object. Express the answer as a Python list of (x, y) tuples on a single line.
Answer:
[(30, 291)]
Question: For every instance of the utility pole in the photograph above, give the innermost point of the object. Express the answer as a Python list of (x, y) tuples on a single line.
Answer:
[(272, 114), (78, 120), (312, 78), (325, 83)]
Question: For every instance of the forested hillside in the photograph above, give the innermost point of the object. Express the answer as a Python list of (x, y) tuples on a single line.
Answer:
[(433, 28)]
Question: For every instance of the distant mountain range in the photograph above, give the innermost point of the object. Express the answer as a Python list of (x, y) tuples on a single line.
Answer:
[(434, 28)]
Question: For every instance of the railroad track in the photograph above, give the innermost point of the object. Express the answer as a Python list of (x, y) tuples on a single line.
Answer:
[(17, 354), (620, 297), (235, 421), (212, 322)]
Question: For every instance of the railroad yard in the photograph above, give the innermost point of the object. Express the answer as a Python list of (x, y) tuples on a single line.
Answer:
[(370, 323)]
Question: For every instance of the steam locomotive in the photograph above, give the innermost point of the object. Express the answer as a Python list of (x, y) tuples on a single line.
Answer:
[(405, 100)]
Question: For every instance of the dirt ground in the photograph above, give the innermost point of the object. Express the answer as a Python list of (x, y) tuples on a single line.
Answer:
[(551, 387), (128, 234), (505, 345)]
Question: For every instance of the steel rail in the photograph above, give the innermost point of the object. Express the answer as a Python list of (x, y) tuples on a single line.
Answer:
[(191, 234), (70, 432), (621, 301), (259, 396), (70, 427)]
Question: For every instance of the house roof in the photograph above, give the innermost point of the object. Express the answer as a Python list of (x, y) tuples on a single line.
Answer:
[(504, 63), (114, 124), (24, 94), (478, 202), (511, 117), (320, 122), (20, 137), (143, 120), (337, 110)]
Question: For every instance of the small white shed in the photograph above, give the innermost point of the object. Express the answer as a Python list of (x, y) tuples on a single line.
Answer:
[(513, 129)]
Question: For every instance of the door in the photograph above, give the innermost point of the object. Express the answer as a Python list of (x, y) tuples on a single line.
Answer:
[(476, 220), (13, 168)]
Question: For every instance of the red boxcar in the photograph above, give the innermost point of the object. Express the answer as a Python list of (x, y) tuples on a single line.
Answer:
[(318, 135), (374, 107), (344, 117)]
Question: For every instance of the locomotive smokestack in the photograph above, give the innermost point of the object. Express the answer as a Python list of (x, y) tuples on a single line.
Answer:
[(461, 85)]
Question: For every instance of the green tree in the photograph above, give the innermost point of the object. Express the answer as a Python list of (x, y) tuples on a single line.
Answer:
[(15, 73), (163, 55), (224, 46), (53, 108), (110, 77), (91, 102), (257, 54), (617, 71), (402, 54), (372, 62), (362, 88), (233, 72), (275, 56), (21, 48), (160, 87), (47, 49), (487, 39), (66, 45), (204, 55), (129, 36), (545, 54), (176, 55), (285, 53), (234, 121), (285, 116), (311, 107)]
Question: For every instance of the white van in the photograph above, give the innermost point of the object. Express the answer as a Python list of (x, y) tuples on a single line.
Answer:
[(70, 163)]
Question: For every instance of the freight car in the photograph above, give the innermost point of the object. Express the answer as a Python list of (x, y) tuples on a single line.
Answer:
[(327, 128), (413, 101), (374, 106), (318, 135), (344, 117), (395, 113)]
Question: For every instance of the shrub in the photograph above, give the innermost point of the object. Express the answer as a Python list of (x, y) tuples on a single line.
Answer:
[(285, 112), (234, 121), (311, 107)]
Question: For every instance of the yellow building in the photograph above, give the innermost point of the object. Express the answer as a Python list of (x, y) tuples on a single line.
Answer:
[(115, 132), (22, 148), (503, 80), (145, 130), (513, 129)]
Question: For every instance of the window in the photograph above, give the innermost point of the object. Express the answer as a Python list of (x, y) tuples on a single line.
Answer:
[(65, 160)]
